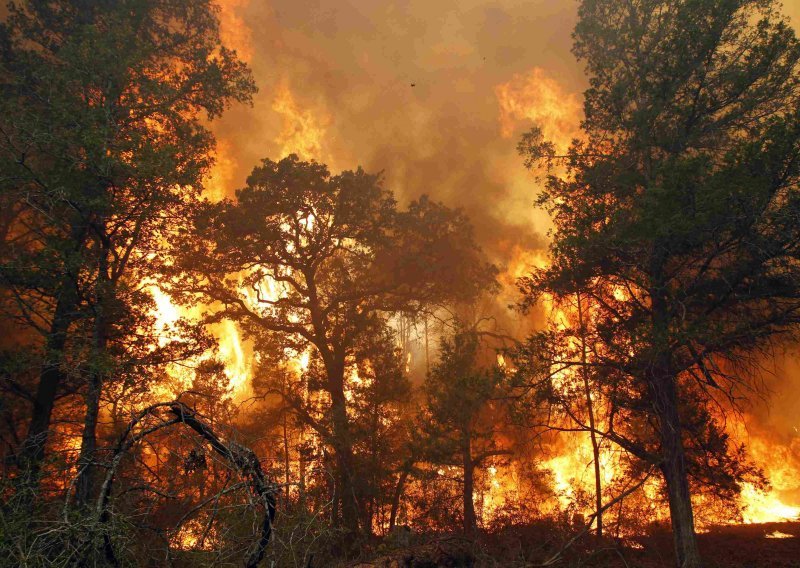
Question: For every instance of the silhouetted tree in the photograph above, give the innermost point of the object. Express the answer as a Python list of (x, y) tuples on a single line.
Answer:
[(678, 216), (102, 144), (466, 399), (309, 262)]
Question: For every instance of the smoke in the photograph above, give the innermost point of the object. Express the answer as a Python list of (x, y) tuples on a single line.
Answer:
[(435, 95)]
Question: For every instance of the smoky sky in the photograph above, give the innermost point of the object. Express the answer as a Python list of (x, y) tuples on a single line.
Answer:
[(407, 88), (410, 88)]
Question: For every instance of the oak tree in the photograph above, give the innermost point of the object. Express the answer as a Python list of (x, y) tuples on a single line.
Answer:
[(309, 262)]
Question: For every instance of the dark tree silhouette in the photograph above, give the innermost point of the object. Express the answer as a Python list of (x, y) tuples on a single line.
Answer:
[(678, 217), (306, 260)]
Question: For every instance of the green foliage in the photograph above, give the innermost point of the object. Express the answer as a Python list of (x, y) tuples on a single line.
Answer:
[(677, 215), (312, 263), (102, 110), (469, 400)]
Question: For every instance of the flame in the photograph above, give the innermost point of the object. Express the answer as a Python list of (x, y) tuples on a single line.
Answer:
[(232, 354), (780, 461), (760, 507), (167, 315), (303, 132), (231, 350), (531, 97), (195, 535), (538, 98), (233, 31), (222, 176)]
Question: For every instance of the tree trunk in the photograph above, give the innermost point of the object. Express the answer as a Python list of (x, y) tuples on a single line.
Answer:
[(470, 522), (663, 388), (675, 474), (84, 486), (32, 452), (301, 466), (104, 298), (286, 468), (346, 488), (598, 482), (398, 493)]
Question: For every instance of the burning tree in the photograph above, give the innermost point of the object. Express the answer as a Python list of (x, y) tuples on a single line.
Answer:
[(678, 219), (465, 412), (102, 142), (310, 263)]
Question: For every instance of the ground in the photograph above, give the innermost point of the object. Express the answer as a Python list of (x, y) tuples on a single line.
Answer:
[(771, 545)]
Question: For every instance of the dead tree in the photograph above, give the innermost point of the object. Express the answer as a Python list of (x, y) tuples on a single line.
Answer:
[(241, 458)]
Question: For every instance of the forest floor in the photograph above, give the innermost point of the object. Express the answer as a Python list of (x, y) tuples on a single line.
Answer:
[(770, 545)]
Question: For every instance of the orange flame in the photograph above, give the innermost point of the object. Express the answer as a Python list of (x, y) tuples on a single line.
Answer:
[(303, 132), (537, 98), (233, 31), (222, 176)]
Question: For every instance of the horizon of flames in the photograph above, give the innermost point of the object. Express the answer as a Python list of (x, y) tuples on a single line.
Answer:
[(525, 99)]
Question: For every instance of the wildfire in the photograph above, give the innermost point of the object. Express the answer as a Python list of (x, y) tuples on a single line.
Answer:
[(573, 478), (303, 131), (533, 97), (167, 315), (302, 134), (195, 535), (221, 178), (233, 30), (759, 507), (780, 462), (537, 98), (231, 351)]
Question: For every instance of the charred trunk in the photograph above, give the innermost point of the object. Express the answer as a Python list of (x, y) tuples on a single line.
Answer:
[(470, 522)]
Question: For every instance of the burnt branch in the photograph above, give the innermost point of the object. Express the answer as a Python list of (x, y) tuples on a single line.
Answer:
[(243, 459)]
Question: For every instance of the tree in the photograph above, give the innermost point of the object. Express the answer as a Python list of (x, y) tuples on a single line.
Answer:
[(678, 217), (558, 364), (307, 262), (465, 401), (102, 144)]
